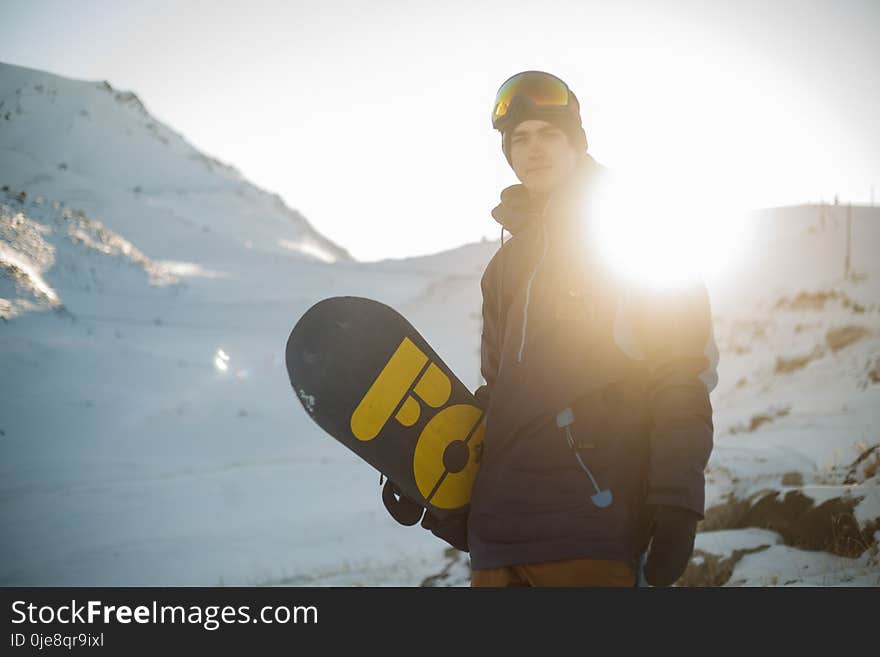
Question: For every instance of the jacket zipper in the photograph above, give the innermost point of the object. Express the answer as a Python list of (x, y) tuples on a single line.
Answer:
[(522, 343)]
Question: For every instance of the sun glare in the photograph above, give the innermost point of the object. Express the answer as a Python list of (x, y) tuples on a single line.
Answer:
[(653, 232), (221, 360)]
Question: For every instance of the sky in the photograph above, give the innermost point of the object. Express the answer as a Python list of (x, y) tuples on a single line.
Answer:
[(372, 118)]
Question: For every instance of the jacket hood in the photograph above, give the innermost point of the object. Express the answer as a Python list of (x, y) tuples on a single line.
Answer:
[(518, 208)]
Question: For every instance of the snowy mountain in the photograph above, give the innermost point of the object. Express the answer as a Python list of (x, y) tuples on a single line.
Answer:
[(147, 429), (797, 408), (99, 150), (149, 436)]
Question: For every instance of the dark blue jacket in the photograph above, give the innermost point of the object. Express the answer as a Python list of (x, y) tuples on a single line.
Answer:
[(596, 396)]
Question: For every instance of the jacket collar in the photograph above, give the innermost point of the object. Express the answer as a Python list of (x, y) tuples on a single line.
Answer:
[(518, 209)]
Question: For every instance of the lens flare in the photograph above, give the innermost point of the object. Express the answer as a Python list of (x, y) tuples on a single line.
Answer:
[(653, 231), (221, 360)]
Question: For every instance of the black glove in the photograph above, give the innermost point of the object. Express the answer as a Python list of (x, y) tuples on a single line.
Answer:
[(671, 546), (452, 529)]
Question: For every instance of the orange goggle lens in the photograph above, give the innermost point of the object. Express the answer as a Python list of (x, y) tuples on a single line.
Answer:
[(541, 88)]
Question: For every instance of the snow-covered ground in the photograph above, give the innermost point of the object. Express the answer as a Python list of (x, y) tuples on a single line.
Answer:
[(148, 434)]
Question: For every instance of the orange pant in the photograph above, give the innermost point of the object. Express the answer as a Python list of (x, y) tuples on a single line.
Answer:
[(572, 572)]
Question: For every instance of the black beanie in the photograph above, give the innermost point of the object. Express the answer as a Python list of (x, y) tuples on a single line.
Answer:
[(567, 120)]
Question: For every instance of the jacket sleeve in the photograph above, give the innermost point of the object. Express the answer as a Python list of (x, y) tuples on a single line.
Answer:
[(490, 337), (682, 358)]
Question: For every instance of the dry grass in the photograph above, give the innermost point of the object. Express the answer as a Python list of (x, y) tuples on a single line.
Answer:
[(865, 466), (874, 372), (817, 301), (760, 419), (787, 365), (843, 336)]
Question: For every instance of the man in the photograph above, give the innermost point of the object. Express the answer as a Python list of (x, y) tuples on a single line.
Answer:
[(598, 419)]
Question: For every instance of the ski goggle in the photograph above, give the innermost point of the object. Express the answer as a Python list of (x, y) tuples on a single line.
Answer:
[(542, 89)]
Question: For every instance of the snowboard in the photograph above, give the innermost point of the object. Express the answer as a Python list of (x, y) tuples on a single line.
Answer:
[(371, 381)]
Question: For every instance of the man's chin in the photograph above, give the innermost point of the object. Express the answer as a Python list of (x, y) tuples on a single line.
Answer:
[(541, 184)]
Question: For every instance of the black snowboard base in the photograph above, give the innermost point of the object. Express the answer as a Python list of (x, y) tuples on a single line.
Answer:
[(370, 380)]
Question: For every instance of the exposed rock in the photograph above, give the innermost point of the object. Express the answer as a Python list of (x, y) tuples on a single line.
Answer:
[(831, 526), (707, 569)]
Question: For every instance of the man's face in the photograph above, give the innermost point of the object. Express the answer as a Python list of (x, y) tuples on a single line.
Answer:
[(541, 155)]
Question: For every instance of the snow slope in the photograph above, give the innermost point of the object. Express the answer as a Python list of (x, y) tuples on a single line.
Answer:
[(148, 434), (129, 456), (99, 150)]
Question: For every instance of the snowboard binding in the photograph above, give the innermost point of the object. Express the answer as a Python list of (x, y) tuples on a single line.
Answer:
[(402, 509)]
